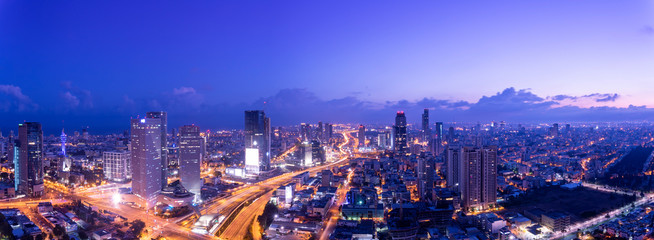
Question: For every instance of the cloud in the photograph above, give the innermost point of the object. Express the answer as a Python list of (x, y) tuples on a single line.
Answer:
[(71, 100), (596, 97), (183, 91), (12, 98), (76, 97)]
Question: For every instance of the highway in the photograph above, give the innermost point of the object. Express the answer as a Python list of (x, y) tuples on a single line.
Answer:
[(248, 214)]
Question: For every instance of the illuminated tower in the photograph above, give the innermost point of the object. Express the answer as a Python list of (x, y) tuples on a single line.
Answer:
[(63, 143), (146, 159), (163, 128), (426, 131), (30, 137), (478, 177), (190, 158), (399, 133), (257, 136)]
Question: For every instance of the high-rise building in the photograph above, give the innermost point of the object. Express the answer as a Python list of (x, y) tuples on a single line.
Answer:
[(362, 136), (426, 130), (306, 154), (399, 133), (478, 177), (425, 174), (554, 130), (13, 151), (163, 117), (329, 131), (30, 163), (305, 132), (438, 127), (567, 129), (63, 143), (317, 152), (320, 132), (453, 158), (190, 158), (257, 135), (146, 160), (450, 136), (382, 139), (117, 166)]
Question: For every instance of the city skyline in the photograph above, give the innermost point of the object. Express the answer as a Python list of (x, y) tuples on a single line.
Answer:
[(565, 56)]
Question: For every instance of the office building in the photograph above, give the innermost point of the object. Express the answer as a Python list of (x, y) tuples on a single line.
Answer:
[(163, 117), (30, 162), (146, 160), (117, 166), (190, 158), (426, 130), (362, 136), (399, 133), (329, 132), (450, 137), (257, 135)]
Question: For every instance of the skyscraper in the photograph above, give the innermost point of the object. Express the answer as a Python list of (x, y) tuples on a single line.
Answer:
[(163, 117), (399, 133), (305, 132), (320, 132), (554, 130), (146, 159), (30, 137), (453, 158), (438, 127), (362, 136), (329, 131), (450, 136), (257, 135), (478, 177), (190, 158), (13, 151), (63, 142), (426, 131)]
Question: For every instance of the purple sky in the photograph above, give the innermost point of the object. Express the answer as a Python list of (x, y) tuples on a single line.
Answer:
[(96, 63)]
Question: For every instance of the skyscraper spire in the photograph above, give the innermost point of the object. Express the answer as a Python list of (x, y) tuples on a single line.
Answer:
[(63, 142)]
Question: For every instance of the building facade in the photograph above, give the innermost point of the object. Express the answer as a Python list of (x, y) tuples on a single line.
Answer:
[(146, 160), (257, 135), (190, 158), (163, 132), (117, 166), (30, 159)]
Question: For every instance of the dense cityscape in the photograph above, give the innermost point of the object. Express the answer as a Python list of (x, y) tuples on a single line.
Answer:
[(438, 180), (327, 120)]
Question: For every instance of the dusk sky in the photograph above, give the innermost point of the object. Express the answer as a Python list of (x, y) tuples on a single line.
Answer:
[(98, 63)]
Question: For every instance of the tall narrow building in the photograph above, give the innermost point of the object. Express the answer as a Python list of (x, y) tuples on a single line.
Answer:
[(362, 136), (399, 133), (30, 162), (146, 160), (190, 158), (257, 135), (63, 143), (426, 130), (478, 177), (320, 132), (163, 117), (453, 163)]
